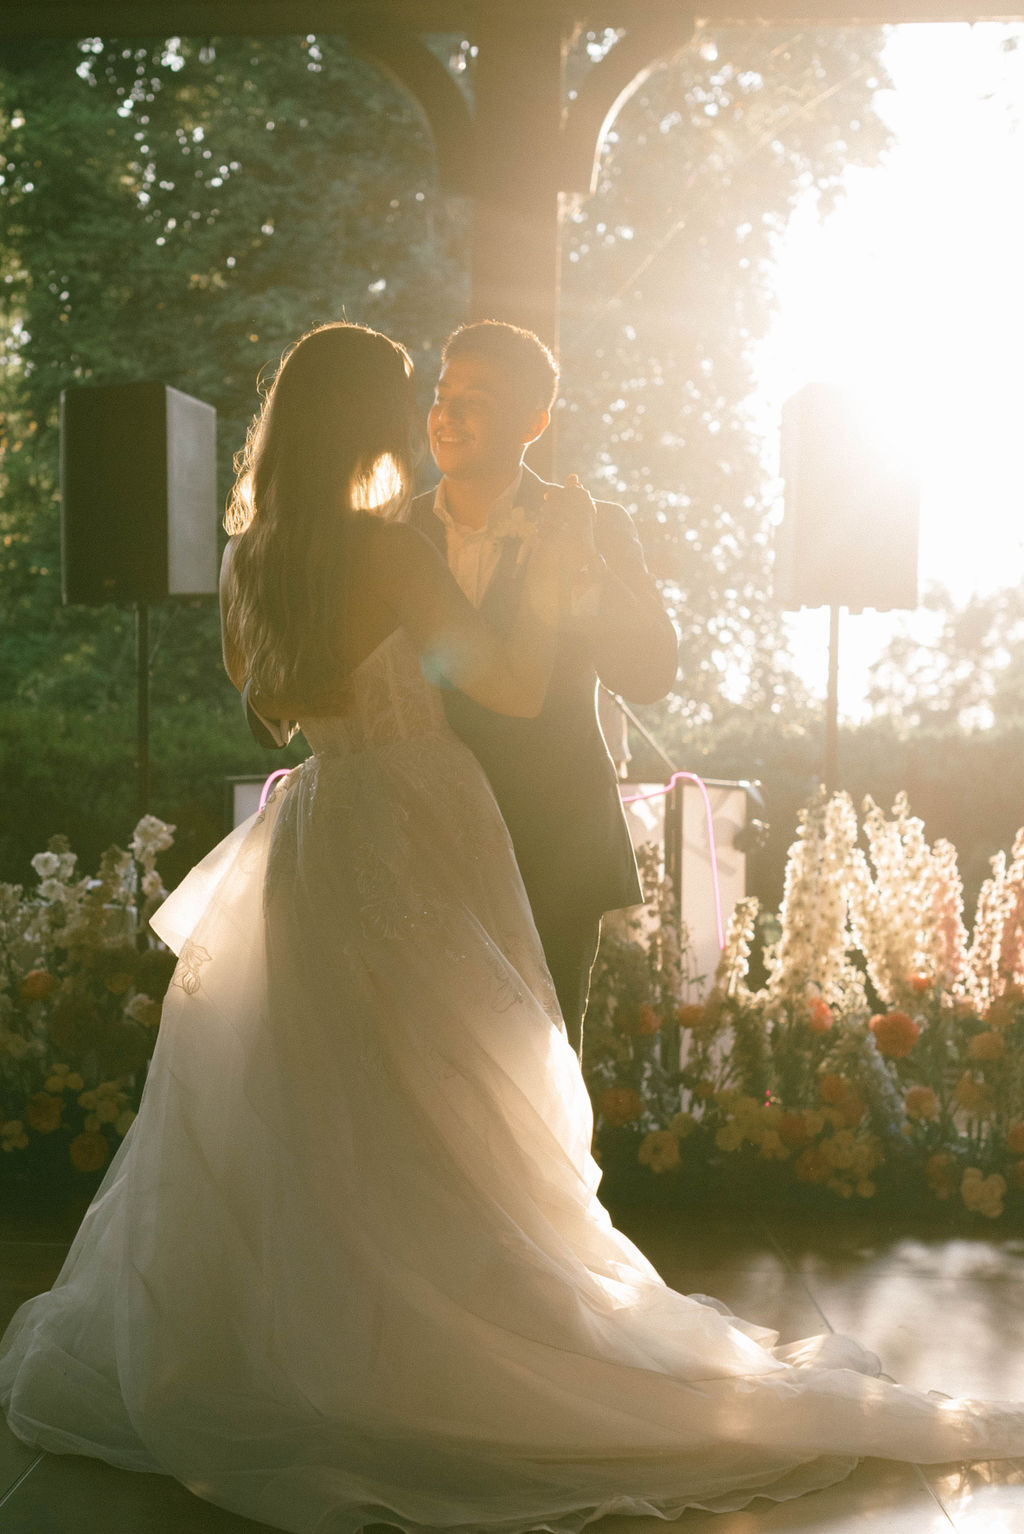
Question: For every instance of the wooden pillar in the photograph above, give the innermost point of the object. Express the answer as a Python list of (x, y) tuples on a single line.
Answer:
[(516, 171), (522, 144)]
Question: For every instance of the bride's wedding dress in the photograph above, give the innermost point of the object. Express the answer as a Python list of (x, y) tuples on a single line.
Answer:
[(349, 1265)]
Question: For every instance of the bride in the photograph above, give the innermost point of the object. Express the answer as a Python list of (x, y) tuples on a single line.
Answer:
[(349, 1266)]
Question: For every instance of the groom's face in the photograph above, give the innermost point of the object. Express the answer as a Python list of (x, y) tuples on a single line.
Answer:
[(478, 424)]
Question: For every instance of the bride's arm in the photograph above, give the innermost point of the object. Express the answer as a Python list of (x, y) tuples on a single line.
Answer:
[(509, 673)]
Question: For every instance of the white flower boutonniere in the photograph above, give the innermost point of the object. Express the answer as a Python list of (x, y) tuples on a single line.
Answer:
[(516, 522)]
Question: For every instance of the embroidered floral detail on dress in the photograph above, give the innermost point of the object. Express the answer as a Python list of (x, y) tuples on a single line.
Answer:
[(190, 961), (379, 896)]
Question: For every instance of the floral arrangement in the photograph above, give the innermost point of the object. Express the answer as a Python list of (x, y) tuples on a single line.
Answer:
[(81, 987), (880, 1056)]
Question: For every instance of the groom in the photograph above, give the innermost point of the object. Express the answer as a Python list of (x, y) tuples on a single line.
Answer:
[(552, 776)]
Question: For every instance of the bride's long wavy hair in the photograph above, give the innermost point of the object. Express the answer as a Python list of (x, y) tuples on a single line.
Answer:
[(332, 443)]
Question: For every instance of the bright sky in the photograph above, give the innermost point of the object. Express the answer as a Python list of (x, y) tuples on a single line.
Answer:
[(914, 292)]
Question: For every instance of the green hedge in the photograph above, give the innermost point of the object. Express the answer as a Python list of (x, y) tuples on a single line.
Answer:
[(74, 774)]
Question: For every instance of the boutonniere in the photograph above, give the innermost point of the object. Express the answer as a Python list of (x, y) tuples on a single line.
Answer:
[(516, 522)]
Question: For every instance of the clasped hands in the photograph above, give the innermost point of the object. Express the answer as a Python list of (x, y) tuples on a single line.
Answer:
[(564, 546)]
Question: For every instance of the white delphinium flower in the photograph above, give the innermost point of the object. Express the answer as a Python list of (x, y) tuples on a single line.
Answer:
[(733, 966), (948, 933), (46, 865), (151, 836), (811, 954), (983, 954), (891, 899), (1011, 934)]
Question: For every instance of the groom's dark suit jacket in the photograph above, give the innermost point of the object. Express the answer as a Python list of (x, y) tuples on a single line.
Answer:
[(552, 776)]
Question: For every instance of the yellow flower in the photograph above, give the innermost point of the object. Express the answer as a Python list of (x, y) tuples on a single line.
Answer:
[(89, 1151), (865, 1188), (812, 1165), (839, 1186), (921, 1103), (981, 1194), (772, 1148), (659, 1150), (940, 1170), (973, 1096), (63, 1079), (37, 985), (840, 1150), (13, 1135), (44, 1112), (729, 1137), (987, 1046), (681, 1125)]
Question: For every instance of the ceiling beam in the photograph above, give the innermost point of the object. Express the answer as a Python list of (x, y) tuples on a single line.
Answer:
[(142, 18)]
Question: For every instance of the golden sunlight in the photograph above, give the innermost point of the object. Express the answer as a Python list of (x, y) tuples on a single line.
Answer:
[(911, 297), (380, 488)]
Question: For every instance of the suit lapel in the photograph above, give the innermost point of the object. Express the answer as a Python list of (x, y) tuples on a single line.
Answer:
[(502, 595), (425, 520)]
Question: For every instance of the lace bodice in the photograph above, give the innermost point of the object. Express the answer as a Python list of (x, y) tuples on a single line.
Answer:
[(391, 701)]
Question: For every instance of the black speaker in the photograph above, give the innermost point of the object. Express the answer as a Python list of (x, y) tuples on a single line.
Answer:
[(138, 494), (850, 531)]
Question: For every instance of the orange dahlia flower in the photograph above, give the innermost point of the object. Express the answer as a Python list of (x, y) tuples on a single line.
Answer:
[(619, 1105), (819, 1016), (895, 1033)]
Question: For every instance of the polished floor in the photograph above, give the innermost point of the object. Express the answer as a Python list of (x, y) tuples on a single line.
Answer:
[(943, 1313)]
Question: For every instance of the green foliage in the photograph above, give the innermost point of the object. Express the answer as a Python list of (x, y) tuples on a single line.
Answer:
[(968, 670), (74, 773), (183, 211)]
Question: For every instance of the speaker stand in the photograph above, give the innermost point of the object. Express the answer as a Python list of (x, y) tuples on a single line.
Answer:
[(832, 704), (142, 699)]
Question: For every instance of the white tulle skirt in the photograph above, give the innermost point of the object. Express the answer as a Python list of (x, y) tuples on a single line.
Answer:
[(349, 1265)]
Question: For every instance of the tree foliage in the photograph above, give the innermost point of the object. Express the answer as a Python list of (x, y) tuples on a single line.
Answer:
[(668, 287), (956, 663), (182, 209)]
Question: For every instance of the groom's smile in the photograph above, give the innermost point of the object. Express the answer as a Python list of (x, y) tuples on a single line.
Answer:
[(478, 423)]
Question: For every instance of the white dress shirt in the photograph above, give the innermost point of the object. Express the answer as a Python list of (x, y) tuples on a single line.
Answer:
[(473, 552)]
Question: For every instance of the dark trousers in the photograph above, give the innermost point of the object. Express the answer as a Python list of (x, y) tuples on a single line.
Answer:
[(570, 947)]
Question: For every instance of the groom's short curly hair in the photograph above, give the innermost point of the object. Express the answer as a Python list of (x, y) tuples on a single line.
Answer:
[(520, 354)]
